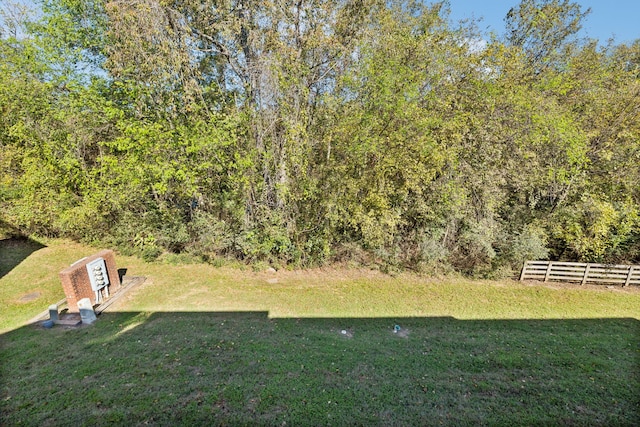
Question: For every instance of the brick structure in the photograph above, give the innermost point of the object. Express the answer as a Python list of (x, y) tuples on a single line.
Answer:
[(76, 282)]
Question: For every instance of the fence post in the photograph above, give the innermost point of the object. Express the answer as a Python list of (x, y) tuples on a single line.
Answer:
[(524, 269), (586, 274), (548, 273), (628, 276)]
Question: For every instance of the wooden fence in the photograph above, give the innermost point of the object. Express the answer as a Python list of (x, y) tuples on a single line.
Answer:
[(581, 272)]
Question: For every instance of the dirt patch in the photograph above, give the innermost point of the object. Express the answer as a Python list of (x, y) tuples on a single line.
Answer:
[(632, 289), (402, 333), (29, 297)]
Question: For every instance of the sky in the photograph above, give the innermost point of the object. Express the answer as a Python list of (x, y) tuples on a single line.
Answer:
[(608, 18)]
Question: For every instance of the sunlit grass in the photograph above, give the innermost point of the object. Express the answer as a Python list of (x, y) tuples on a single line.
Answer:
[(316, 293), (355, 293)]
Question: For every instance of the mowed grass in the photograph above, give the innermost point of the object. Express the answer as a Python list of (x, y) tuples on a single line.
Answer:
[(198, 345)]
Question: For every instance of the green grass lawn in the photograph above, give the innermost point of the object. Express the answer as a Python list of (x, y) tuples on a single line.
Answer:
[(198, 345)]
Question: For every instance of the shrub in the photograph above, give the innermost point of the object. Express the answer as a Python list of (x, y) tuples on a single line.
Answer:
[(594, 230)]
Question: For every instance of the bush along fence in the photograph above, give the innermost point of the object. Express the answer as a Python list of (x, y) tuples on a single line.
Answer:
[(581, 272)]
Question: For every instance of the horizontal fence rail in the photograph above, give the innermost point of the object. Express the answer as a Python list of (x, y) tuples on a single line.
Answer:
[(581, 272)]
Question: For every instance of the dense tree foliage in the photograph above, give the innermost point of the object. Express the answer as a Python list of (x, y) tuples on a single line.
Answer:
[(320, 130)]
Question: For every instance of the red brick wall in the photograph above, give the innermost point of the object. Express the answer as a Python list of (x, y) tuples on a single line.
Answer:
[(75, 279)]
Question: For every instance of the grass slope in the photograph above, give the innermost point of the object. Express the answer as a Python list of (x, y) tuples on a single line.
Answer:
[(196, 345)]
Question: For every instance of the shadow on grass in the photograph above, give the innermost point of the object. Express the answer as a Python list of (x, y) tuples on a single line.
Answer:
[(248, 369), (14, 247)]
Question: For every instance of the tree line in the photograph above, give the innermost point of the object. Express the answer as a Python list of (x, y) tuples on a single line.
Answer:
[(314, 131)]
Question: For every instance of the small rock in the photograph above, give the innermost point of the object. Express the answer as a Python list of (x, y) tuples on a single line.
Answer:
[(346, 333), (270, 270)]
